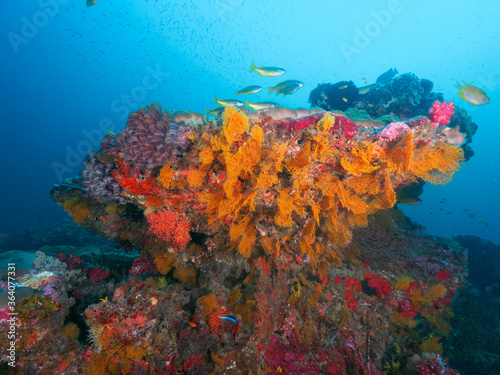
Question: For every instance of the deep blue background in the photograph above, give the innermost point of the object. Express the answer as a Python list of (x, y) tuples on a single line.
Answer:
[(74, 70)]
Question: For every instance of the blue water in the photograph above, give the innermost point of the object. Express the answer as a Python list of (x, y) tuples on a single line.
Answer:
[(70, 71)]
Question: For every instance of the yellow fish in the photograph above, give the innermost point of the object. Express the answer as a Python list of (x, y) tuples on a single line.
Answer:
[(344, 99), (248, 90), (228, 102), (472, 94), (260, 105), (214, 111), (270, 71), (91, 2)]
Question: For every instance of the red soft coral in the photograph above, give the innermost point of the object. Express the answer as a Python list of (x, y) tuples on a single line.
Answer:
[(171, 227), (97, 274), (377, 283), (133, 181)]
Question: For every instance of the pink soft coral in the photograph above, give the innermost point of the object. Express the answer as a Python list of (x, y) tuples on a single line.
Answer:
[(393, 130), (441, 113)]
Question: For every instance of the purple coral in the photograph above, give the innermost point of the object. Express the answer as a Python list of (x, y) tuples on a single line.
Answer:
[(97, 178), (151, 138)]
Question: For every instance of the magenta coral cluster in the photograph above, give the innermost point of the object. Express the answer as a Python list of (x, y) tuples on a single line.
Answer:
[(441, 113), (151, 138), (435, 367)]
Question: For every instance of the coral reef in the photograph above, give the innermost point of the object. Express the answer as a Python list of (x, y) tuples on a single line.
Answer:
[(404, 96), (263, 244)]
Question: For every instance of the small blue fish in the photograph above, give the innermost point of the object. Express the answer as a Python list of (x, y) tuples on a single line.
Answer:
[(229, 317)]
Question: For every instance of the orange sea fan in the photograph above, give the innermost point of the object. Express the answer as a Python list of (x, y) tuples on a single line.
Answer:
[(196, 177), (327, 184), (434, 292), (368, 183), (247, 242), (79, 210), (437, 165), (249, 155), (70, 331), (361, 159), (211, 200), (165, 176), (210, 305), (339, 233), (389, 193), (257, 134), (238, 229), (186, 274), (300, 161), (350, 200), (399, 157), (287, 205), (278, 153), (164, 262), (307, 240), (206, 156), (235, 124), (264, 181), (135, 352)]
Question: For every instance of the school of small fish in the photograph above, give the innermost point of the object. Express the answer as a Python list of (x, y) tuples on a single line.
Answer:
[(469, 93), (287, 87)]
